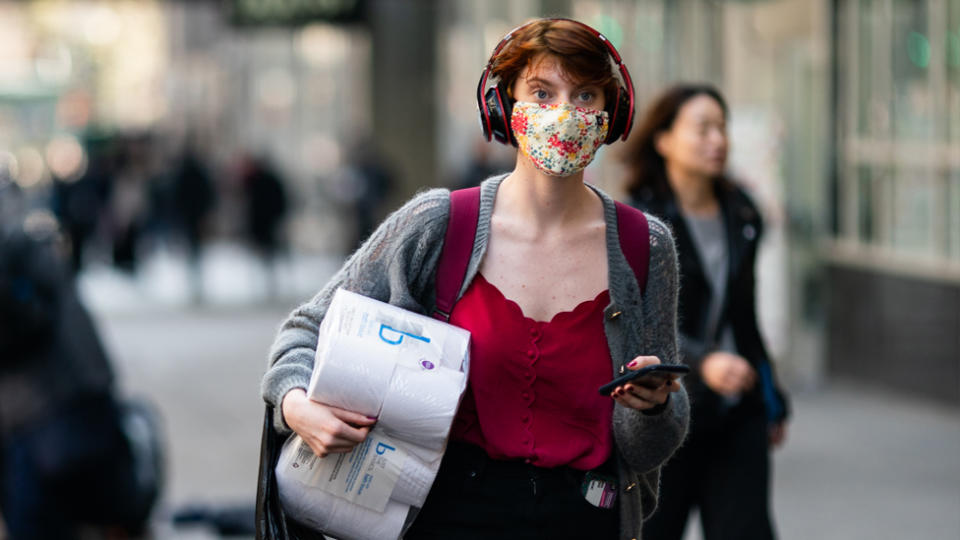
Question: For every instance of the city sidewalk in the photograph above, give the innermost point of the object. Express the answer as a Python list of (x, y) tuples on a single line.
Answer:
[(871, 464)]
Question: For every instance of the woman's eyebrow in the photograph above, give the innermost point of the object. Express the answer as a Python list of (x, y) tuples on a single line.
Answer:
[(537, 80)]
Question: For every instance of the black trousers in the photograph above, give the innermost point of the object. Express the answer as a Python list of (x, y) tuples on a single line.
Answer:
[(475, 497), (724, 471)]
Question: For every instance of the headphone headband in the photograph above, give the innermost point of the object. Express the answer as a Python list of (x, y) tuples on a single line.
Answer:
[(494, 113)]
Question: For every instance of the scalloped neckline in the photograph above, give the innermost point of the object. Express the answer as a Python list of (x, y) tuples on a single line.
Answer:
[(518, 309)]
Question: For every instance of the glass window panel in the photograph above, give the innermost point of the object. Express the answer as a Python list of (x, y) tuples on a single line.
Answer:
[(865, 227), (913, 54), (914, 211), (865, 84), (953, 215), (953, 70)]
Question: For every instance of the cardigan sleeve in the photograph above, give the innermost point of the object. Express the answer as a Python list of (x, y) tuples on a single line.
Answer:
[(394, 265), (654, 437)]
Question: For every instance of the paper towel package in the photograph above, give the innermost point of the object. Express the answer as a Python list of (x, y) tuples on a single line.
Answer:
[(408, 370)]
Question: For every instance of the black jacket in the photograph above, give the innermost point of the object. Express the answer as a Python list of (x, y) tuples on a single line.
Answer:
[(744, 228), (50, 352)]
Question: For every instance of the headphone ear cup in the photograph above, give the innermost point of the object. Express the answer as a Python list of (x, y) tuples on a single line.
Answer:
[(499, 107), (619, 115), (484, 117)]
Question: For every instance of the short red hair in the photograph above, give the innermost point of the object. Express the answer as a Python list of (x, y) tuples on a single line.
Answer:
[(581, 56)]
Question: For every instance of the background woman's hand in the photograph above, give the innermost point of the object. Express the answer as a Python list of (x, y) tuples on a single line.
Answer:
[(777, 434), (727, 374), (638, 396), (326, 429)]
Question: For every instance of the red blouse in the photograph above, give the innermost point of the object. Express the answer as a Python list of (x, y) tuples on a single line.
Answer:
[(532, 392)]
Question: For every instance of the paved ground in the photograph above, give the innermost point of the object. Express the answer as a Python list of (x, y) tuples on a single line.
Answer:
[(869, 464)]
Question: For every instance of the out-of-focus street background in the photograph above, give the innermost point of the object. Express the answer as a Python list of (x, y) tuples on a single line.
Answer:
[(211, 163)]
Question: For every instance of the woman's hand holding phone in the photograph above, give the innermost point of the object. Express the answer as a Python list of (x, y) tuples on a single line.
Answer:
[(644, 393), (326, 429)]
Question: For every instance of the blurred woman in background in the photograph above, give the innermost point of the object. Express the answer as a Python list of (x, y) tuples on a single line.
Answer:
[(677, 161)]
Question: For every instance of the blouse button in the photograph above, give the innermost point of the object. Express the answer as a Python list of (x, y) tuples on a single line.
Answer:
[(525, 395), (525, 418), (531, 353)]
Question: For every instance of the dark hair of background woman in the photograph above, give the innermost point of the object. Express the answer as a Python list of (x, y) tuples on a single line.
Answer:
[(647, 167)]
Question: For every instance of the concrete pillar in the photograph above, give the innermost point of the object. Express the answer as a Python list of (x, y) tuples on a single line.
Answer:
[(405, 100)]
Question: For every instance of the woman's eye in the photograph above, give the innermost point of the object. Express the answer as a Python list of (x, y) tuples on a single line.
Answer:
[(586, 97), (541, 94)]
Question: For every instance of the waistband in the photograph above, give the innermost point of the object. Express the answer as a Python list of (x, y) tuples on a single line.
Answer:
[(461, 455)]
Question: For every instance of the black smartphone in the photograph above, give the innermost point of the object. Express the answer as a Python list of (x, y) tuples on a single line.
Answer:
[(659, 371)]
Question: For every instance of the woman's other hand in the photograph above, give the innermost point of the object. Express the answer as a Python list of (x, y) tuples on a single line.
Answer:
[(727, 374), (326, 429), (638, 396)]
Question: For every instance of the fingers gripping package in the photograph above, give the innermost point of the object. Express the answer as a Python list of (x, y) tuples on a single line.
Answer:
[(407, 370)]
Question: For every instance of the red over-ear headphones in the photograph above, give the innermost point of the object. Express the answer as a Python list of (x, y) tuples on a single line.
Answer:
[(496, 105)]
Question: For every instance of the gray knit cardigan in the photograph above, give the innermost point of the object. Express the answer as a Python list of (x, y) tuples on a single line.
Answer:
[(397, 265)]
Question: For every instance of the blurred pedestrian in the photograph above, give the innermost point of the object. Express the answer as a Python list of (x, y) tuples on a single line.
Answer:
[(738, 411), (128, 208), (66, 459), (266, 206), (194, 196), (362, 186), (482, 164), (79, 203), (553, 307)]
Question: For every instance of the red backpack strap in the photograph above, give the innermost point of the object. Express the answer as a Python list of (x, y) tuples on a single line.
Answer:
[(457, 248), (634, 234)]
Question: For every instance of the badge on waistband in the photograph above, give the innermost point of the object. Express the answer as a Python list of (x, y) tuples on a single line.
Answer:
[(599, 490)]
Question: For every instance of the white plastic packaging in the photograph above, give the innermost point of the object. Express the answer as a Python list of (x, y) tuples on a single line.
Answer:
[(409, 371)]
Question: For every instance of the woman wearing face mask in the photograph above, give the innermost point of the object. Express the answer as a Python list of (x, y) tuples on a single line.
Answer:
[(738, 411), (553, 307)]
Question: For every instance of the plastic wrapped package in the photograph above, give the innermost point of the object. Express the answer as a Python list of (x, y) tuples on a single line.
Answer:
[(417, 476), (420, 404), (408, 370), (352, 373)]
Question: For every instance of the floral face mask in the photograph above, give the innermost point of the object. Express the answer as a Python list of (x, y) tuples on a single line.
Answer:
[(560, 139)]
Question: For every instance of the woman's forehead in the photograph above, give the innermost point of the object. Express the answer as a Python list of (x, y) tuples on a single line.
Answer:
[(547, 68), (699, 108)]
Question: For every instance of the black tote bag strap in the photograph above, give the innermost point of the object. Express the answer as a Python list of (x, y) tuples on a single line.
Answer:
[(271, 521)]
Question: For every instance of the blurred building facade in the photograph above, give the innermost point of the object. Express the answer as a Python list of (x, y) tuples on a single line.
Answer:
[(845, 126)]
